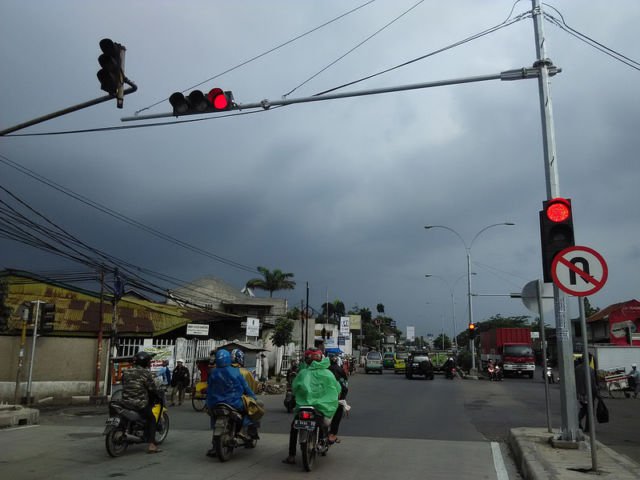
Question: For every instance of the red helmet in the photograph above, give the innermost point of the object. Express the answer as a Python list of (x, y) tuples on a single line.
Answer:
[(312, 355)]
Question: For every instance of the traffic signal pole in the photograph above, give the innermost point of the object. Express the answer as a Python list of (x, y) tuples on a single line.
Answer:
[(568, 399), (516, 74), (71, 109)]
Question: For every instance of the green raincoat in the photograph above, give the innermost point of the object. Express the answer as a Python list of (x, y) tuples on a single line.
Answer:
[(316, 386)]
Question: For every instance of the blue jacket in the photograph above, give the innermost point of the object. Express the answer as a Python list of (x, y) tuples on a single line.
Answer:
[(227, 385)]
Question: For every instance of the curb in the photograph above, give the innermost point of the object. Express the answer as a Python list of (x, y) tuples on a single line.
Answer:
[(16, 415)]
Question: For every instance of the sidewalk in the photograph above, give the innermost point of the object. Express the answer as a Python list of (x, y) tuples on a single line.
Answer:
[(537, 459)]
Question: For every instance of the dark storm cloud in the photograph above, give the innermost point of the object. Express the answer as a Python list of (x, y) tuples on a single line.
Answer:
[(336, 192)]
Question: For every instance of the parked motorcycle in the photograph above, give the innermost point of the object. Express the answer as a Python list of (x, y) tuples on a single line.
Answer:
[(313, 435), (228, 433), (125, 426)]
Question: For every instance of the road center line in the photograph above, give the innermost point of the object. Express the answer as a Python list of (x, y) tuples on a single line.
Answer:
[(498, 462)]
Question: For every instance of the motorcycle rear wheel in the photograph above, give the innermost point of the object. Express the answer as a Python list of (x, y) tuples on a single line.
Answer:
[(198, 403), (308, 449), (162, 429), (222, 444), (116, 442)]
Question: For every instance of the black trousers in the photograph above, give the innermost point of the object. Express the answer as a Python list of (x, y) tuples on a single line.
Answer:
[(335, 421), (150, 423)]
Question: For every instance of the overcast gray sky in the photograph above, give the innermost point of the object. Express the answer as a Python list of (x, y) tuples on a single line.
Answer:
[(336, 192)]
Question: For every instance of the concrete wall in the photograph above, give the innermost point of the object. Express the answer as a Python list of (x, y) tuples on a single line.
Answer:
[(62, 367)]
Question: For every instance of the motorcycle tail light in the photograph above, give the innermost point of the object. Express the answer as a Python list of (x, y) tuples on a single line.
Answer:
[(304, 415)]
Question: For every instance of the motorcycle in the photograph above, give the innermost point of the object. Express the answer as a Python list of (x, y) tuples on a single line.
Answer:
[(451, 373), (289, 398), (496, 374), (228, 432), (313, 435), (125, 426)]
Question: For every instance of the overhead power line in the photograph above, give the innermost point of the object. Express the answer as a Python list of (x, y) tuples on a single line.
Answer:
[(123, 218)]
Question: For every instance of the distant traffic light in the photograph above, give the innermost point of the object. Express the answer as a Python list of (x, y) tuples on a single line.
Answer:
[(472, 330), (197, 102), (111, 75), (556, 231), (48, 317)]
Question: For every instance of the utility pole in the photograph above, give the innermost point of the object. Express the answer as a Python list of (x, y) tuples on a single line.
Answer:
[(96, 390), (569, 413), (36, 316), (23, 340)]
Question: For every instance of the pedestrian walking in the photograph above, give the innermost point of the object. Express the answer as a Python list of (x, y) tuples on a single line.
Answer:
[(180, 381)]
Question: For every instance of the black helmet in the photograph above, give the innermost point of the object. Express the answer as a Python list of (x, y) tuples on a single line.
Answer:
[(142, 358)]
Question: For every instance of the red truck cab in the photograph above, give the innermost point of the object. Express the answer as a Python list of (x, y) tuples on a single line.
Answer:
[(510, 347)]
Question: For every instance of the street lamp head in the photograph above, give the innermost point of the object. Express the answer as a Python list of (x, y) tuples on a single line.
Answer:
[(508, 223)]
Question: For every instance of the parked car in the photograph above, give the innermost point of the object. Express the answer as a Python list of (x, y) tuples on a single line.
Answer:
[(388, 360), (373, 362), (401, 362), (419, 363)]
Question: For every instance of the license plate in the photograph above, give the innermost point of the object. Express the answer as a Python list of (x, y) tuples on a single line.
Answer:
[(113, 422), (304, 425)]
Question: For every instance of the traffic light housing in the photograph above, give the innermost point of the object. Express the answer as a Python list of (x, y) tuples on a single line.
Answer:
[(556, 231), (48, 317), (111, 75), (473, 330), (216, 100)]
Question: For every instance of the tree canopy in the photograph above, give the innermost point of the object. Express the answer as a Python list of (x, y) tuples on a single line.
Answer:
[(272, 281)]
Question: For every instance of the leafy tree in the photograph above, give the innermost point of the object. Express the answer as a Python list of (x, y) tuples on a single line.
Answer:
[(438, 342), (380, 308), (282, 333), (294, 314), (272, 281)]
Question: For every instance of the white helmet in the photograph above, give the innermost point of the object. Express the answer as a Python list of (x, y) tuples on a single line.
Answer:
[(633, 365), (180, 360)]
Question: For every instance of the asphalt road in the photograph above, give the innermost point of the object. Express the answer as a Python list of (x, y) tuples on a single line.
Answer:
[(440, 429)]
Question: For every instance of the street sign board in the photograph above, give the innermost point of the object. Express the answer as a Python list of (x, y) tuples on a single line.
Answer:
[(200, 329), (344, 326), (530, 297), (579, 271), (253, 327)]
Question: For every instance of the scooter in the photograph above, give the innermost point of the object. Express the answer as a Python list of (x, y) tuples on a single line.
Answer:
[(228, 432), (125, 426), (313, 435), (451, 373)]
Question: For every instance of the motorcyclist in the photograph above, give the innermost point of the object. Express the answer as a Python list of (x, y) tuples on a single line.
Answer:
[(237, 360), (226, 385), (139, 391), (313, 386), (342, 379), (449, 365)]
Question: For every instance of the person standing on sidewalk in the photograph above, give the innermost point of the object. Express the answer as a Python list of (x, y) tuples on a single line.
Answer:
[(581, 392), (180, 380)]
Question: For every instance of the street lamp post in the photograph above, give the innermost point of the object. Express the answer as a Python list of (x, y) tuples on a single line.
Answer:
[(468, 253)]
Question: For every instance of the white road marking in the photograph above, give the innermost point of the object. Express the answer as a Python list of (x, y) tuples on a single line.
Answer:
[(498, 462)]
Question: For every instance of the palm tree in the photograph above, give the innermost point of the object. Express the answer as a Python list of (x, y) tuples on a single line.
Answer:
[(272, 281)]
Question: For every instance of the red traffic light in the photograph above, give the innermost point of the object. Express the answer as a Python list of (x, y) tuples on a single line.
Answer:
[(218, 99), (197, 102), (558, 209)]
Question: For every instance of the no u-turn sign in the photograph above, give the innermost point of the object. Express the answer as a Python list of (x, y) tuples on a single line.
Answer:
[(579, 271)]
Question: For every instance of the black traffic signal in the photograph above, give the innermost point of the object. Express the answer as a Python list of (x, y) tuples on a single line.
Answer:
[(111, 75), (197, 102), (556, 231), (48, 317), (473, 330)]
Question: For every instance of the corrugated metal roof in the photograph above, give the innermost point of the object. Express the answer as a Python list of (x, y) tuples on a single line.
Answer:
[(78, 310)]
